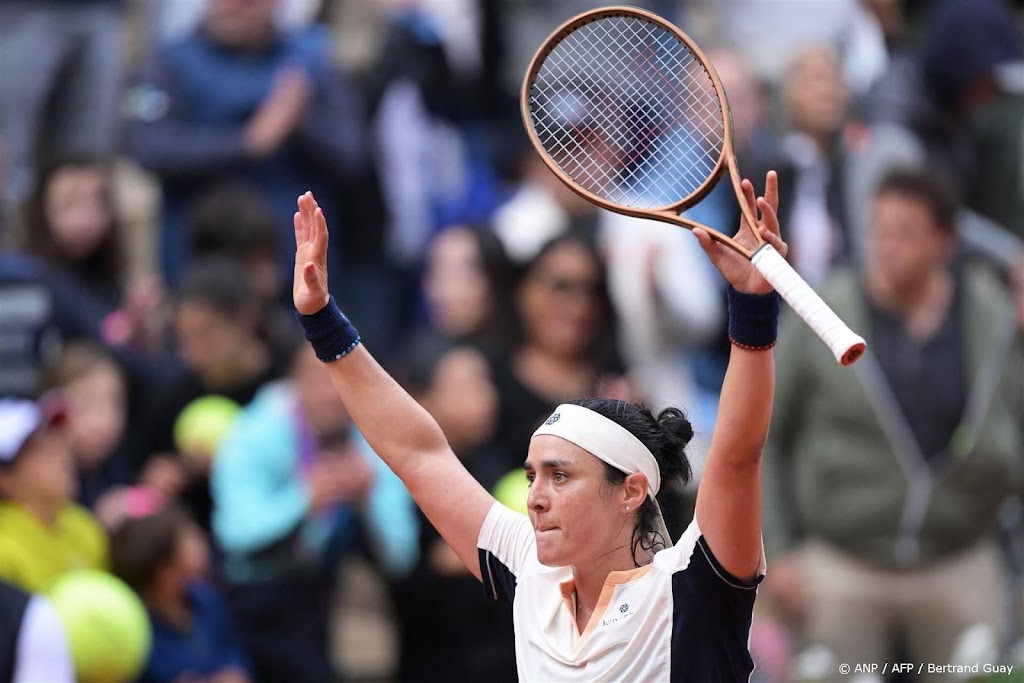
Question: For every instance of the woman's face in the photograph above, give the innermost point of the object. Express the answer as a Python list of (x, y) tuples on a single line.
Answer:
[(560, 300), (78, 210), (462, 398), (455, 285), (96, 413), (576, 514)]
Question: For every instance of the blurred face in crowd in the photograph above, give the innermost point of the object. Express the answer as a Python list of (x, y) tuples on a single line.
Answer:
[(456, 287), (462, 398), (319, 401), (242, 24), (815, 92), (78, 209), (560, 300), (745, 100), (43, 473), (192, 555), (96, 412), (208, 339), (906, 246)]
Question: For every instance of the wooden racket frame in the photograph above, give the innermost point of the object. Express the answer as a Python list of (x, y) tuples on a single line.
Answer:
[(670, 213)]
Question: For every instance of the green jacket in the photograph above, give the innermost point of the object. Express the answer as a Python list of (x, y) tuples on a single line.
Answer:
[(842, 466)]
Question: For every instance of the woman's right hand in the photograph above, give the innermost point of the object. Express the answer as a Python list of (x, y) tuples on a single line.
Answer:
[(309, 287)]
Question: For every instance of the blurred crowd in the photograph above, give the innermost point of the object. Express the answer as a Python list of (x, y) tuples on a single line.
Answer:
[(161, 418)]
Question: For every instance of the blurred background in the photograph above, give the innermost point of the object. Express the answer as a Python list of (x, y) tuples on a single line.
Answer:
[(162, 422)]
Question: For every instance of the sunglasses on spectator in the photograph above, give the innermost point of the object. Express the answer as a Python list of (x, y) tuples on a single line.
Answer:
[(566, 286)]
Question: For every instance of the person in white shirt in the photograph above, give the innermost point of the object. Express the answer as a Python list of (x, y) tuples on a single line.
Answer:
[(599, 591)]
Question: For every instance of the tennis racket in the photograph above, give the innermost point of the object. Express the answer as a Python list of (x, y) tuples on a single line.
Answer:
[(629, 113)]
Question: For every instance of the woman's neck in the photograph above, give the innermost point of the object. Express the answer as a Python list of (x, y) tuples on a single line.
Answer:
[(46, 512)]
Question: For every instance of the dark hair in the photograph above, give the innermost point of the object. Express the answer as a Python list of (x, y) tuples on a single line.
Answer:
[(77, 359), (233, 220), (926, 186), (220, 283), (141, 546), (666, 437), (107, 263)]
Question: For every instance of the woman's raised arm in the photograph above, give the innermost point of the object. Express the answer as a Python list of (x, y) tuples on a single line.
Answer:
[(729, 496), (398, 429)]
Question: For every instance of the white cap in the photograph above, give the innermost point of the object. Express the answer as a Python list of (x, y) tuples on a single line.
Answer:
[(21, 418)]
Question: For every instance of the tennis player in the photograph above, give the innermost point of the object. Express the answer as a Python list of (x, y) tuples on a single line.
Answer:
[(599, 591)]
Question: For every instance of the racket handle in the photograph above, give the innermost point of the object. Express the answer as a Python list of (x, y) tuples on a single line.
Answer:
[(846, 345)]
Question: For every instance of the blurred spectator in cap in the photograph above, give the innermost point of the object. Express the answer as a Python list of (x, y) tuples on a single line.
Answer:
[(44, 533), (240, 99), (59, 83)]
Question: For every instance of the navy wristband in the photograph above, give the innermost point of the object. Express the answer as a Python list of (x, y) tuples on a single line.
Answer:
[(329, 332), (753, 320)]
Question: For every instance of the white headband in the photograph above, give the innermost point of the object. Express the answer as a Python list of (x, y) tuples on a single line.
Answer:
[(604, 439)]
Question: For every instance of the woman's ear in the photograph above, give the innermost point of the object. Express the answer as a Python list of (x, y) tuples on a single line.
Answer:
[(634, 490)]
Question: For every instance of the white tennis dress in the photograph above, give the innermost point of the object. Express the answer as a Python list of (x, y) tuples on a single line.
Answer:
[(680, 618)]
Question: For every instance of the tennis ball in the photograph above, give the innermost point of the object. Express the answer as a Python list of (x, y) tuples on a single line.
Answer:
[(202, 425), (107, 627), (512, 490)]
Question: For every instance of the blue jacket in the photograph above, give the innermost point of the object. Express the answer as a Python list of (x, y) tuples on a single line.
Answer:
[(260, 498), (209, 646), (187, 113)]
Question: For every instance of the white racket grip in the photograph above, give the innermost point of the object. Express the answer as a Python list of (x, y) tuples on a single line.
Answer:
[(846, 345)]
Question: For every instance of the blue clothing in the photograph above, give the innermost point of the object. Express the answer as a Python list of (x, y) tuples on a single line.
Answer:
[(260, 498), (187, 118), (209, 646)]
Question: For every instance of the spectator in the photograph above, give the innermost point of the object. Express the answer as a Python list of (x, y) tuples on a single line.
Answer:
[(59, 85), (40, 312), (452, 382), (233, 221), (34, 645), (812, 163), (44, 533), (287, 482), (95, 389), (216, 321), (567, 341), (158, 551), (242, 100), (883, 488), (466, 283), (980, 97), (70, 225)]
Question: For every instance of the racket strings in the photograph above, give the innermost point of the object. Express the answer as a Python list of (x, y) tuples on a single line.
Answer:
[(628, 112)]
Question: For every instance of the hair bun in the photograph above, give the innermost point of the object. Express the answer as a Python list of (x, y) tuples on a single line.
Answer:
[(675, 426)]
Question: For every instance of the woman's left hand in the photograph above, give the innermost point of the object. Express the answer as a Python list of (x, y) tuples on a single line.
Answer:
[(738, 270)]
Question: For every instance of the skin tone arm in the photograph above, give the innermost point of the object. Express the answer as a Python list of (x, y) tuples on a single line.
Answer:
[(398, 429), (729, 496)]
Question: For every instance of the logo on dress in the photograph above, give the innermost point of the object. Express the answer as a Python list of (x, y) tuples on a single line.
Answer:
[(624, 607), (553, 419)]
